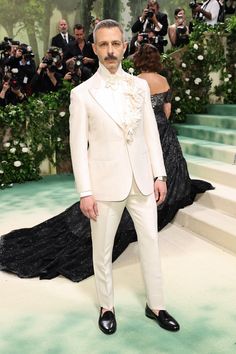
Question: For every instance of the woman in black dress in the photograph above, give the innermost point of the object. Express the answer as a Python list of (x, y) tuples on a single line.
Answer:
[(62, 245)]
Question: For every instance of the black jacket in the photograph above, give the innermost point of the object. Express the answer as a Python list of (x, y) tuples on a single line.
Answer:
[(59, 42)]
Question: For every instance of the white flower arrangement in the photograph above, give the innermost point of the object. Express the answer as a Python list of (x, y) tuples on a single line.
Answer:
[(200, 57), (133, 107), (131, 71), (17, 163), (197, 81)]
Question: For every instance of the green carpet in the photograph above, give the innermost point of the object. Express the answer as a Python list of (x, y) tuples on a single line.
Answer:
[(60, 317)]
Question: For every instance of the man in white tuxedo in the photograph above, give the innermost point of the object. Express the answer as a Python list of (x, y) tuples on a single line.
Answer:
[(117, 163)]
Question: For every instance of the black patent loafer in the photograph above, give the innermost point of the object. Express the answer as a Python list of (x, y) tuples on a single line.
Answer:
[(164, 319), (107, 322)]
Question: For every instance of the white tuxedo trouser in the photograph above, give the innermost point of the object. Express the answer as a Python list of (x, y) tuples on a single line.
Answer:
[(143, 211)]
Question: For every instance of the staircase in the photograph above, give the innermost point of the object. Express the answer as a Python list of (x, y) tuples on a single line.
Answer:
[(209, 145)]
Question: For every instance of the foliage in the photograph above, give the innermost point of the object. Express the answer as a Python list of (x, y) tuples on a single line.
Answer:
[(227, 87), (38, 129)]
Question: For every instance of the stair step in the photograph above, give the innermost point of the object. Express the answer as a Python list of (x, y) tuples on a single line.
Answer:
[(208, 149), (225, 122), (223, 136), (210, 224), (222, 198), (211, 170), (222, 109)]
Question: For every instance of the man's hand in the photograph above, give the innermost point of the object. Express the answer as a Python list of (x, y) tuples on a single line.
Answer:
[(88, 206), (160, 191)]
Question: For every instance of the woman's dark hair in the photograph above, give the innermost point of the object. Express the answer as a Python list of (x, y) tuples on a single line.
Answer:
[(178, 10), (147, 58)]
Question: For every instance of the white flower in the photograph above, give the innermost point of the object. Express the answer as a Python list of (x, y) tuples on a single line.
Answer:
[(190, 97), (17, 163), (22, 145), (58, 139), (195, 46), (229, 75), (25, 149), (15, 142), (197, 98), (62, 114), (184, 65), (6, 145), (178, 110), (12, 150), (187, 79), (226, 79), (229, 90), (1, 172), (131, 71), (4, 161), (2, 185), (10, 185), (187, 92), (224, 70), (177, 98), (197, 81), (200, 57)]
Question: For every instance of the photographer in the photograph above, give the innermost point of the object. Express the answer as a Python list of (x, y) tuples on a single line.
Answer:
[(10, 91), (207, 12), (152, 18), (49, 74), (76, 72), (82, 50), (179, 32), (23, 61)]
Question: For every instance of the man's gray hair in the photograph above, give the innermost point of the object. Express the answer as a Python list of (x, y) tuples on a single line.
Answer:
[(107, 24)]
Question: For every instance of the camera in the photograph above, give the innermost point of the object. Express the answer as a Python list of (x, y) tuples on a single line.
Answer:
[(193, 4), (78, 61), (145, 38), (158, 41), (27, 52), (52, 59), (150, 14), (12, 78)]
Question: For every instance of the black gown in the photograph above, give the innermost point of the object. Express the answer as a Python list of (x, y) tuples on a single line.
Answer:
[(62, 245)]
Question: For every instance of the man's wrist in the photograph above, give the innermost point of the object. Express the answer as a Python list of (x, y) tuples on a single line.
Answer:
[(160, 178)]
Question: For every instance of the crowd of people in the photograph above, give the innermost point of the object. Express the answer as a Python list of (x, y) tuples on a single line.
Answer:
[(72, 58)]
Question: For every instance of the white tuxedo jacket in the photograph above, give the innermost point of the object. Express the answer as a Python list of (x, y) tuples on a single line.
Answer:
[(103, 161)]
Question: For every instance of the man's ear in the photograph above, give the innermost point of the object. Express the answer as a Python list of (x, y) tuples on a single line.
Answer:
[(94, 48)]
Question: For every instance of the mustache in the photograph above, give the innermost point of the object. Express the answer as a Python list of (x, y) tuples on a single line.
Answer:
[(110, 57)]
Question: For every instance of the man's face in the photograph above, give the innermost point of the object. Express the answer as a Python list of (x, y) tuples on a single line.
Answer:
[(79, 35), (109, 47), (63, 27)]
